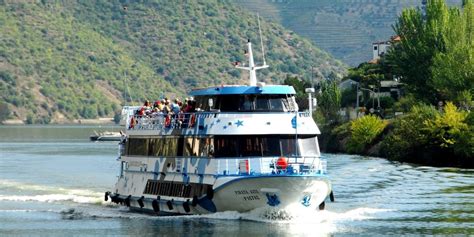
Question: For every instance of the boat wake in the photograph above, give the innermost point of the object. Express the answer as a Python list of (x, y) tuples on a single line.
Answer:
[(53, 198), (49, 194), (85, 204)]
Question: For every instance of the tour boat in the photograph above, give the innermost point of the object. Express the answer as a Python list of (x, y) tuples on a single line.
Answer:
[(246, 147)]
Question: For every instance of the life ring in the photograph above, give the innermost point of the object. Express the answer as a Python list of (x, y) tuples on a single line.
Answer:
[(192, 120), (282, 163)]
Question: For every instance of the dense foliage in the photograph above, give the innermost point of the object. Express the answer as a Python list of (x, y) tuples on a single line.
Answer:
[(435, 56), (83, 59), (329, 102), (431, 136), (408, 135), (364, 130)]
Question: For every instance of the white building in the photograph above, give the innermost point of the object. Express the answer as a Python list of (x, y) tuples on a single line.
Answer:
[(379, 49), (382, 47)]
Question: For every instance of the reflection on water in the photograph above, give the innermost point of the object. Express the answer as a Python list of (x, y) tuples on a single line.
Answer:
[(52, 181)]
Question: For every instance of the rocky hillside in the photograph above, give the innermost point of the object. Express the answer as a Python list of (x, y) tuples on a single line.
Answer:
[(83, 59), (345, 28)]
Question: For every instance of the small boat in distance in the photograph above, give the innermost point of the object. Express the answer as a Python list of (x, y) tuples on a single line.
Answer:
[(105, 136)]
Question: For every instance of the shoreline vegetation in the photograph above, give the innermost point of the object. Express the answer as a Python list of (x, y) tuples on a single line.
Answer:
[(424, 136), (431, 120), (97, 121)]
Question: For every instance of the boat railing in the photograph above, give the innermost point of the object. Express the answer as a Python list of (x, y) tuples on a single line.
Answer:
[(162, 121), (232, 167)]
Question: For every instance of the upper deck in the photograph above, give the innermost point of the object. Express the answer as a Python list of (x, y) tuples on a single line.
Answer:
[(245, 90), (230, 110)]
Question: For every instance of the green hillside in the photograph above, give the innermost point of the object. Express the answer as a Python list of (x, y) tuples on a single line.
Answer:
[(345, 28), (69, 60)]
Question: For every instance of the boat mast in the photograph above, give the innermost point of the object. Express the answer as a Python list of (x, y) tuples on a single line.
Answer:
[(252, 68)]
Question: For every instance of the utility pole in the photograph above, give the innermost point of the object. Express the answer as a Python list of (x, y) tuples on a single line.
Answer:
[(357, 100), (310, 92)]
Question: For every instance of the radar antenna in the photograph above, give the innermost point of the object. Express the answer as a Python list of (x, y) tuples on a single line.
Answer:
[(261, 40), (252, 68)]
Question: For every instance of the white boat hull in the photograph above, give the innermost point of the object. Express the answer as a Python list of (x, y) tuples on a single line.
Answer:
[(248, 193), (238, 193)]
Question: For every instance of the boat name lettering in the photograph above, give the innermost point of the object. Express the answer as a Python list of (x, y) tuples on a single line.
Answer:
[(251, 198), (245, 192)]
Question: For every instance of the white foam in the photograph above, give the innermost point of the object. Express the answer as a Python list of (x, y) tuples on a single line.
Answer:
[(51, 194), (52, 198), (43, 188)]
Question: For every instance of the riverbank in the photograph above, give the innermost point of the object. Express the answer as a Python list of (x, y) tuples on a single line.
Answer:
[(97, 121), (423, 136), (333, 143)]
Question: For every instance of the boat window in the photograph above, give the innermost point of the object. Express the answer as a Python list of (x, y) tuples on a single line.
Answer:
[(137, 146), (249, 103), (227, 103), (265, 145), (202, 102), (271, 146), (288, 147), (196, 144), (156, 146), (170, 148), (262, 103), (250, 146), (276, 104), (188, 146), (163, 146), (206, 147), (309, 146), (225, 146)]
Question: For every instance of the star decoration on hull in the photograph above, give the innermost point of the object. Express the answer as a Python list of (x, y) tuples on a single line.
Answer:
[(239, 123)]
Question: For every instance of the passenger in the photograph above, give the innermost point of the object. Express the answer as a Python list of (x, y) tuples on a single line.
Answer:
[(190, 107), (141, 111), (155, 112), (161, 106), (167, 107), (175, 108), (156, 104), (147, 105), (184, 105)]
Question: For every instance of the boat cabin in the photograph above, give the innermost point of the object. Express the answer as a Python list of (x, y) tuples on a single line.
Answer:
[(246, 99)]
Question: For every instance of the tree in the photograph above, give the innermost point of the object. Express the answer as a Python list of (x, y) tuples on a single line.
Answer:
[(453, 69), (329, 101), (434, 55)]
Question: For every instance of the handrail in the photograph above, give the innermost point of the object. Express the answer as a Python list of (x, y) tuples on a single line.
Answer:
[(162, 121), (181, 120)]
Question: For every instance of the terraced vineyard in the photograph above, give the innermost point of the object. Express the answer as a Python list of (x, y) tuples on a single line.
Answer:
[(345, 28)]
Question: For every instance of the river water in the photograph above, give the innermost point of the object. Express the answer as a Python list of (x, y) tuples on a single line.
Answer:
[(52, 181)]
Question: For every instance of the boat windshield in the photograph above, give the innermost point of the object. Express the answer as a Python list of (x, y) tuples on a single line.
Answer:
[(248, 103)]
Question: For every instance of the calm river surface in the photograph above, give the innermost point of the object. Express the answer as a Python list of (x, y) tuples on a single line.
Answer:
[(52, 181)]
